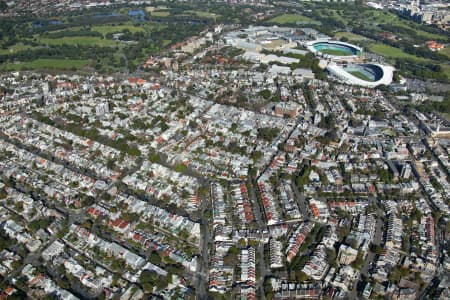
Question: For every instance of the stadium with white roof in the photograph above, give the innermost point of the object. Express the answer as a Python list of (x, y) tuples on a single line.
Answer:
[(335, 50), (366, 75)]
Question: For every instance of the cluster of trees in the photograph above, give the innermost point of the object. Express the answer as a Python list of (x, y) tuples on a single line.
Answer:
[(160, 122), (5, 242), (155, 41), (268, 134), (150, 279), (224, 13), (232, 52), (402, 30), (309, 97), (40, 224), (377, 114), (61, 52), (441, 107), (11, 29), (328, 122), (420, 69), (127, 35), (417, 51), (268, 289), (232, 256), (265, 94), (118, 264), (334, 19), (154, 258), (75, 21), (233, 147), (385, 175), (140, 124), (303, 176), (3, 6), (92, 133)]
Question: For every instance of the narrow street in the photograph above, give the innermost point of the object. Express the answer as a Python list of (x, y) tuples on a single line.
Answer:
[(301, 202), (262, 226), (370, 258), (202, 275)]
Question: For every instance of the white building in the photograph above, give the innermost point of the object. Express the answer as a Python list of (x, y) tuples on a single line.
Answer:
[(345, 74)]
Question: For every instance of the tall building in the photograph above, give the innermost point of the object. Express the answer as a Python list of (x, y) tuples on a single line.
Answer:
[(45, 89), (102, 109), (414, 7), (406, 171)]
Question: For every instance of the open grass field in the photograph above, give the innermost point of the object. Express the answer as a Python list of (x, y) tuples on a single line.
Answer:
[(425, 34), (61, 64), (446, 116), (16, 48), (337, 15), (378, 16), (105, 29), (160, 13), (446, 51), (446, 69), (151, 9), (78, 40), (291, 19), (331, 14), (202, 14), (350, 36), (392, 52)]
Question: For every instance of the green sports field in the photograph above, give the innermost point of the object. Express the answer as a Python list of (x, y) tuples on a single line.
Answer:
[(60, 64), (291, 19), (391, 52), (160, 13), (202, 14), (16, 48), (79, 40), (350, 36), (105, 29), (335, 52), (360, 75)]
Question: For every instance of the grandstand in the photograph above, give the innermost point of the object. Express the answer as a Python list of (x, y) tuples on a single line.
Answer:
[(334, 50), (367, 75)]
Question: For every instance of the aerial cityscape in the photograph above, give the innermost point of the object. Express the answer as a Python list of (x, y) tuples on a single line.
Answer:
[(225, 149)]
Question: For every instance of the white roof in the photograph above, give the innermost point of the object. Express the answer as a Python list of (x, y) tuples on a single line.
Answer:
[(386, 79), (279, 69)]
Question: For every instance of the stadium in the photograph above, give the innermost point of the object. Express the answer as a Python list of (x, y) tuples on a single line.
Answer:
[(367, 75), (335, 50)]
